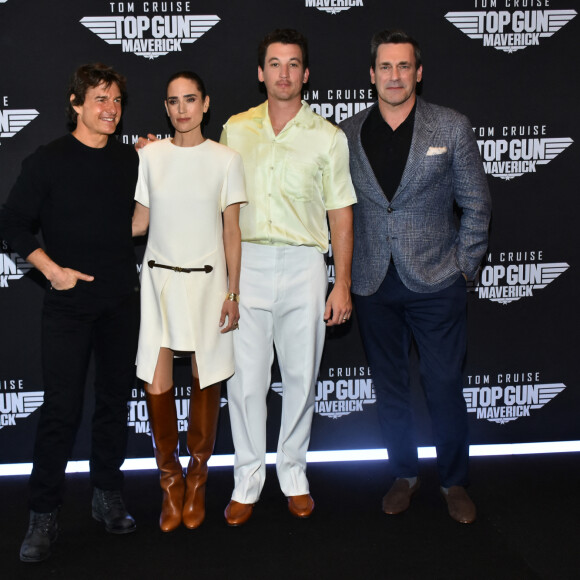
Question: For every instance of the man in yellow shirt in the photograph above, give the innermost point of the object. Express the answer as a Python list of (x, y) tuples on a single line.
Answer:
[(296, 166)]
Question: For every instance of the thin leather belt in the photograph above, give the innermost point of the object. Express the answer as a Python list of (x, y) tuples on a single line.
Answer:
[(207, 269)]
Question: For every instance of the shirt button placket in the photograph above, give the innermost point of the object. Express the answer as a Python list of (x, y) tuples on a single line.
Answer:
[(270, 187)]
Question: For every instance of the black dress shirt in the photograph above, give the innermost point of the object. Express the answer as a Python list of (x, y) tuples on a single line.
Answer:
[(387, 150)]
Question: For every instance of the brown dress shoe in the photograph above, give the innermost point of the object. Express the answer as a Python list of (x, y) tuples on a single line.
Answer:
[(398, 498), (237, 514), (459, 504), (301, 506)]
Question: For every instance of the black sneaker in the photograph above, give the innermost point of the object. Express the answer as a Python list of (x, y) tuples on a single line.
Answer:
[(42, 532), (108, 507)]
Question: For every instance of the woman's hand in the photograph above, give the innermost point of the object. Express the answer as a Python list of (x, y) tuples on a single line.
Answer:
[(230, 310)]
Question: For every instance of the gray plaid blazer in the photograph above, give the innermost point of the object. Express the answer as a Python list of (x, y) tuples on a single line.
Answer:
[(418, 228)]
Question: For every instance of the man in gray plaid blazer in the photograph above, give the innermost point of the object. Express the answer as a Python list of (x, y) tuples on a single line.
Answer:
[(411, 162)]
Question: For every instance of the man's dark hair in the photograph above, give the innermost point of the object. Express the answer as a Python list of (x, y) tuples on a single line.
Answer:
[(285, 36), (90, 76), (191, 76), (394, 37)]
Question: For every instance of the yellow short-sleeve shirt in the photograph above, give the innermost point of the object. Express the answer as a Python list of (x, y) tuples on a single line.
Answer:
[(292, 179)]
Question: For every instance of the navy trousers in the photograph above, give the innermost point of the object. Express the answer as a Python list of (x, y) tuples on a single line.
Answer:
[(74, 324), (388, 321)]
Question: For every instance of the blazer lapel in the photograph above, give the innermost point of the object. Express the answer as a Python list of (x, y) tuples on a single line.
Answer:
[(419, 144), (375, 188)]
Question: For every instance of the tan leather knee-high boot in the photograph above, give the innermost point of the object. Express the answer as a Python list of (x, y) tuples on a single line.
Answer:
[(165, 437), (204, 407)]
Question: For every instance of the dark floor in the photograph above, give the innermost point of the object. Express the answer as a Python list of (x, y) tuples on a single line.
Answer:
[(528, 526)]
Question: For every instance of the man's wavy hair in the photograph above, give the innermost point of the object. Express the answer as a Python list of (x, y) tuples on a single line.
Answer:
[(284, 36), (89, 76), (394, 37)]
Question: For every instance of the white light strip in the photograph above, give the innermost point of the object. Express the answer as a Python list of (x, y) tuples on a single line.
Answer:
[(326, 456)]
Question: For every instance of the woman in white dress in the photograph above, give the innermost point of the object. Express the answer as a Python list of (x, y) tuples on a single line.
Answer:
[(188, 196)]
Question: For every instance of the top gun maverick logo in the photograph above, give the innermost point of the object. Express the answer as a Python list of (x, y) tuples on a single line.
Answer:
[(161, 28), (12, 266), (332, 6), (510, 151), (341, 391), (15, 403), (338, 104), (510, 30), (13, 120), (505, 397), (515, 275), (138, 415)]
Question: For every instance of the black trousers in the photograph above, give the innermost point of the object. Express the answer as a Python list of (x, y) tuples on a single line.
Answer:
[(388, 320), (76, 323)]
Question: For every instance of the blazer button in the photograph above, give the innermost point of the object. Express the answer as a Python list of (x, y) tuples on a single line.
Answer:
[(389, 210)]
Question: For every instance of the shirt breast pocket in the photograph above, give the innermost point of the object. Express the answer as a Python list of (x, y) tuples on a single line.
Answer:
[(301, 178)]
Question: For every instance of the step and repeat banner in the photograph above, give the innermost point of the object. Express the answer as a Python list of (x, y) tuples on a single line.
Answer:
[(509, 65)]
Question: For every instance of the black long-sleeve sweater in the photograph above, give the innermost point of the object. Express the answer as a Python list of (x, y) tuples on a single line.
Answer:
[(81, 198)]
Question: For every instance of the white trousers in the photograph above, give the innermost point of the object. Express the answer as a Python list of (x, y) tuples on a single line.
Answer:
[(282, 301)]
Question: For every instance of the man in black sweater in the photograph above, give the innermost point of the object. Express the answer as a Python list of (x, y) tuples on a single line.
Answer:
[(79, 191)]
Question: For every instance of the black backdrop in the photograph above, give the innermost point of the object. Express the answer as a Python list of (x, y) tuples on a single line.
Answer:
[(510, 65)]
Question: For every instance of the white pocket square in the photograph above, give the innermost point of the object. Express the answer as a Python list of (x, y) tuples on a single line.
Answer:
[(436, 151)]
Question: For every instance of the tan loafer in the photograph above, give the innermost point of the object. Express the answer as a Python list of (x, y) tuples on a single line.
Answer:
[(398, 498), (237, 514), (461, 507), (301, 506)]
